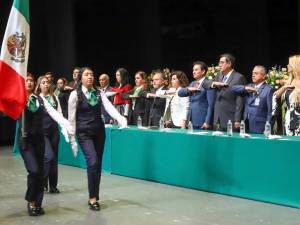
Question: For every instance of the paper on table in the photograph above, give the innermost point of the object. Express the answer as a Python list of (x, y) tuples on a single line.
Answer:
[(200, 133), (274, 137), (217, 133)]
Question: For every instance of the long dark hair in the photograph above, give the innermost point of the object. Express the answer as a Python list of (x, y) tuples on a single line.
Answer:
[(125, 78), (79, 83), (181, 76)]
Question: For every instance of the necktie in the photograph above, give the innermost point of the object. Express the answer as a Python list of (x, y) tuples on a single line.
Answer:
[(196, 84), (224, 79), (92, 98), (32, 107)]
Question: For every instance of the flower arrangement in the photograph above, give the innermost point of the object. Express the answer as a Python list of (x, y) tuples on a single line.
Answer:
[(277, 76), (212, 72)]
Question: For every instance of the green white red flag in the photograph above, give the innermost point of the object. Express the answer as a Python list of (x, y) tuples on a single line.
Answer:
[(14, 59)]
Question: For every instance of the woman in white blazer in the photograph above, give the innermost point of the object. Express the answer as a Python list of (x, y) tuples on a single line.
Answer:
[(177, 108)]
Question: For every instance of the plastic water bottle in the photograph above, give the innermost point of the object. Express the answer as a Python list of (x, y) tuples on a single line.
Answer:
[(139, 122), (229, 128), (161, 123), (103, 118), (242, 128), (267, 131), (190, 127)]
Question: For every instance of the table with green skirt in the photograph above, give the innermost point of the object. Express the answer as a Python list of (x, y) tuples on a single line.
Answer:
[(254, 168)]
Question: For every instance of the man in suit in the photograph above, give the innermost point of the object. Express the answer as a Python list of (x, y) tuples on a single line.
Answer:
[(258, 100), (228, 105), (105, 87), (73, 83), (50, 77), (156, 105), (201, 100)]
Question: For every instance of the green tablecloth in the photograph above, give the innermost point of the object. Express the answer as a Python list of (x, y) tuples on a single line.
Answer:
[(254, 168)]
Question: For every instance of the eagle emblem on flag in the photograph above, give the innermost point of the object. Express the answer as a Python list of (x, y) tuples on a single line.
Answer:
[(16, 45)]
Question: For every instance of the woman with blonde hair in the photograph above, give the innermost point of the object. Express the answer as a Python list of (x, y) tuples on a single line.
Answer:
[(290, 93)]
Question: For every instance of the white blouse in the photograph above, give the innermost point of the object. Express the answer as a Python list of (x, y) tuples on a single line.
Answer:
[(180, 107), (72, 106)]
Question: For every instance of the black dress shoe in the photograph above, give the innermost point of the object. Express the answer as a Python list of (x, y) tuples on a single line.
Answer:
[(40, 210), (94, 206), (31, 210), (54, 191)]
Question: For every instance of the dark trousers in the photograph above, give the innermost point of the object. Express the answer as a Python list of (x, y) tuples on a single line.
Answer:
[(134, 117), (154, 120), (92, 148), (32, 152), (51, 159)]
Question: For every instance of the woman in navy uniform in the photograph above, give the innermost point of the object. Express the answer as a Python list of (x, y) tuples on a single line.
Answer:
[(51, 136), (31, 145), (84, 110)]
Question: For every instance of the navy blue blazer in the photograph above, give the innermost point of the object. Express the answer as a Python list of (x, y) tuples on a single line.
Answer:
[(201, 104), (258, 107)]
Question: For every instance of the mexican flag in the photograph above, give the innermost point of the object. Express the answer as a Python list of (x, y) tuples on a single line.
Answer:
[(13, 60)]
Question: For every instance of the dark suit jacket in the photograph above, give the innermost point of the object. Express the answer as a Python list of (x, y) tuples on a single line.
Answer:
[(228, 105), (156, 107), (201, 105), (63, 98), (140, 109), (257, 112)]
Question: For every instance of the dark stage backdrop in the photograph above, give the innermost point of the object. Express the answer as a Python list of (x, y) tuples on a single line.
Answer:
[(145, 35)]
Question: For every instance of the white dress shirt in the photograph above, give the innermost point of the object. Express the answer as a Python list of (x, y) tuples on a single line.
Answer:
[(200, 82), (225, 79), (72, 107), (110, 109)]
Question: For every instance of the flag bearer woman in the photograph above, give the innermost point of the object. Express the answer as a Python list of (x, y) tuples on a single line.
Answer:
[(32, 145)]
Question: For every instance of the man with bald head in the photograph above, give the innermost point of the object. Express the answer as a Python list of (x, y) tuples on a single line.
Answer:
[(258, 100), (104, 82), (105, 87)]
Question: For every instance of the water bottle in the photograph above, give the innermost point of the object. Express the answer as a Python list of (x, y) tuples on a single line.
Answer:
[(229, 128), (190, 127), (103, 118), (139, 122), (267, 131), (242, 128), (161, 123)]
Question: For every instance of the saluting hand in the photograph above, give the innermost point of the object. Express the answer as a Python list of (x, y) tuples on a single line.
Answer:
[(205, 126), (217, 84), (193, 89), (250, 89)]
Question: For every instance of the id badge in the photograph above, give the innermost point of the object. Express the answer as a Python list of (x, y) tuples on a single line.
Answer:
[(256, 102)]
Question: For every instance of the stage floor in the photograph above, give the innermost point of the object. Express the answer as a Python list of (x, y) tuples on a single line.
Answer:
[(126, 201)]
